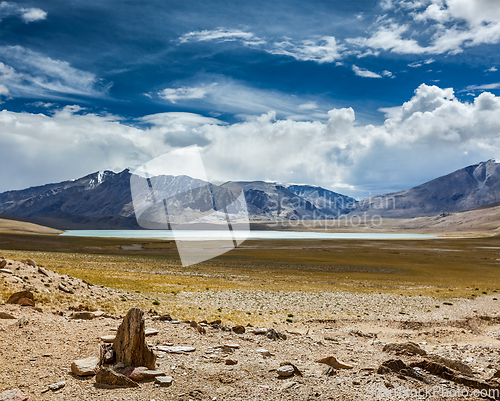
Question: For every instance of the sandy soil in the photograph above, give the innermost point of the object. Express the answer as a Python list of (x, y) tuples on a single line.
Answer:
[(40, 343)]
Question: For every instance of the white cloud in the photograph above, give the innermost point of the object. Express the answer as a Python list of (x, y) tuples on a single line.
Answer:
[(33, 14), (321, 50), (27, 14), (221, 35), (484, 87), (31, 74), (492, 69), (360, 72), (308, 106), (387, 73), (184, 92), (431, 134)]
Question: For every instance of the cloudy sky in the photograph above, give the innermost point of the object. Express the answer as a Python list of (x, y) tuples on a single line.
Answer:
[(362, 97)]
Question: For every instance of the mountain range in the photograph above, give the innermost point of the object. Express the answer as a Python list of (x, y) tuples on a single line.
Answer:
[(103, 200)]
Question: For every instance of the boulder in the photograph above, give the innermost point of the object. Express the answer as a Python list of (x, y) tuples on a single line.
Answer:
[(130, 343), (109, 378), (13, 395), (408, 348), (85, 367), (21, 295), (3, 263), (26, 302)]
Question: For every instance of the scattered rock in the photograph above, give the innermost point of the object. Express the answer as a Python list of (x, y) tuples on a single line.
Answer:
[(13, 395), (41, 270), (275, 335), (150, 332), (130, 344), (164, 381), (285, 371), (263, 352), (31, 262), (108, 338), (453, 364), (85, 367), (55, 386), (231, 345), (359, 333), (63, 288), (23, 321), (192, 323), (295, 368), (5, 315), (174, 350), (83, 315), (108, 377), (21, 295), (334, 363), (238, 329), (408, 348), (165, 318), (3, 263), (259, 330), (231, 361), (6, 271), (144, 374), (26, 302), (201, 329)]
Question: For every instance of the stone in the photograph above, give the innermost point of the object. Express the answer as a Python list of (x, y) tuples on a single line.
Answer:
[(55, 386), (141, 373), (408, 348), (110, 378), (201, 329), (334, 363), (231, 361), (13, 395), (130, 344), (165, 318), (453, 364), (329, 371), (259, 330), (164, 381), (63, 288), (263, 352), (275, 335), (108, 338), (31, 262), (192, 323), (285, 371), (6, 271), (174, 350), (296, 370), (41, 270), (232, 345), (85, 367), (5, 315), (150, 332), (82, 315), (23, 321), (21, 295), (26, 302), (3, 263), (238, 329)]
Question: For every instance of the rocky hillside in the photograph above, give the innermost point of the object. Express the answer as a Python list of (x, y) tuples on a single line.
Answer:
[(468, 188), (103, 200)]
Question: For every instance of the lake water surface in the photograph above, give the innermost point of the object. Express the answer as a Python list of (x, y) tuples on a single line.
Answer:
[(216, 234)]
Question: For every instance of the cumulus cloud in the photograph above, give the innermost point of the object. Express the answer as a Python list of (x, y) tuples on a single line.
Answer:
[(27, 14), (361, 72), (431, 134), (31, 74), (492, 69)]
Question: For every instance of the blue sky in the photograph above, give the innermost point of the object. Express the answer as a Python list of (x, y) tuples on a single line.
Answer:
[(363, 97)]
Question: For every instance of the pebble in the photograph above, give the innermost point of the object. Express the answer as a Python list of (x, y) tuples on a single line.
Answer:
[(6, 271), (151, 332), (234, 346), (85, 367), (175, 350), (231, 361), (109, 338), (163, 381), (263, 352), (285, 371)]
